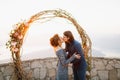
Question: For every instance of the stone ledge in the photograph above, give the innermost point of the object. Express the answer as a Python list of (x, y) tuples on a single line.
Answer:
[(102, 69)]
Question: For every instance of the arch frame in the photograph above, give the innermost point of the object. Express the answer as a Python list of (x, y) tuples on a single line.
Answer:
[(17, 36)]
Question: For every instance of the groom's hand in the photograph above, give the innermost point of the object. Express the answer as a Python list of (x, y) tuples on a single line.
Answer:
[(77, 56)]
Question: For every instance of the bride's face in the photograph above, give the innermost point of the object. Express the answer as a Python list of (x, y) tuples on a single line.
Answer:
[(60, 41)]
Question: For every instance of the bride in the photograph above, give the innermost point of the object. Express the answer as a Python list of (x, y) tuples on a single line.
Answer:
[(62, 73)]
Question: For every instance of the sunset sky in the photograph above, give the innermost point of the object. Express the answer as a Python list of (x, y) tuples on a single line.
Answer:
[(99, 18)]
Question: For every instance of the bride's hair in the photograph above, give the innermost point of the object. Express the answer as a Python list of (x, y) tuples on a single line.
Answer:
[(54, 40)]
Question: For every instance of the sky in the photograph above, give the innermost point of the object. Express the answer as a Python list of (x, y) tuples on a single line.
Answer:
[(99, 18)]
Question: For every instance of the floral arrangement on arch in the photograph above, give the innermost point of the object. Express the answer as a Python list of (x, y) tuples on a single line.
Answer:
[(15, 43), (16, 38)]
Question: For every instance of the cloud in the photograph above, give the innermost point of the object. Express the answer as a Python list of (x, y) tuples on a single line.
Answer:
[(97, 53), (108, 42)]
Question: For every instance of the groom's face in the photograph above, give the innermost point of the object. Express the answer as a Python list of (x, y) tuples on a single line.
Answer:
[(65, 38)]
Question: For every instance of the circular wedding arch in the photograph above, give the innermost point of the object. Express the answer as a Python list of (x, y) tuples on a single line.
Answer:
[(18, 33)]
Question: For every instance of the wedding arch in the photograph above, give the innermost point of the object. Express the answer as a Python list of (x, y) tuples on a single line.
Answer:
[(18, 33)]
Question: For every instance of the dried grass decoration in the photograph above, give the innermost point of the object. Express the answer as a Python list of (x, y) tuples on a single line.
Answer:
[(17, 38)]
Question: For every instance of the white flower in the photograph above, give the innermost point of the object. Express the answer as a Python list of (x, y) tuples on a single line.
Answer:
[(87, 73), (13, 43), (12, 31)]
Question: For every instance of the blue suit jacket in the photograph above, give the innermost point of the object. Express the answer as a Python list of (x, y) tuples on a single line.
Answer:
[(73, 47)]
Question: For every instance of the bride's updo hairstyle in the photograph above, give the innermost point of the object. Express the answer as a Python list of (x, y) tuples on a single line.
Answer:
[(54, 40)]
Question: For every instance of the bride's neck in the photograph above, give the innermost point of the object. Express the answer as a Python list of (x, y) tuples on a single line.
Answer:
[(57, 48)]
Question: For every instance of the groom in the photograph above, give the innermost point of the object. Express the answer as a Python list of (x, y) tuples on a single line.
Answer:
[(72, 46)]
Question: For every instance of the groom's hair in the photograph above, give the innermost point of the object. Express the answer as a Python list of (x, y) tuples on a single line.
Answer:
[(54, 40), (69, 35)]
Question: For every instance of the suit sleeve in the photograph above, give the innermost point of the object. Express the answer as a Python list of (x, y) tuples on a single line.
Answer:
[(79, 49)]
